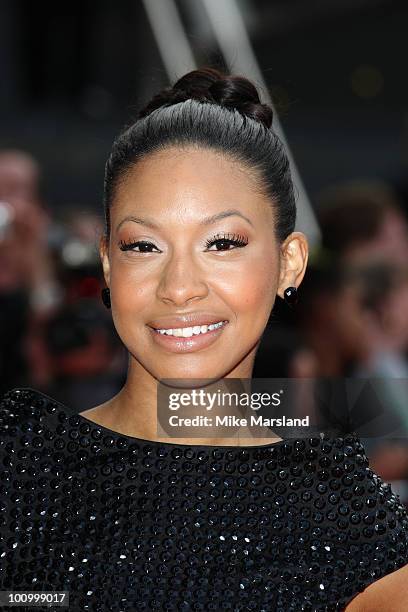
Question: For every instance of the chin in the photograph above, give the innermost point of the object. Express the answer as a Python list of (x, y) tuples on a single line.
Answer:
[(190, 374), (186, 369)]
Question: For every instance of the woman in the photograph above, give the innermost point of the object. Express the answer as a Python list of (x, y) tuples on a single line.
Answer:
[(200, 218)]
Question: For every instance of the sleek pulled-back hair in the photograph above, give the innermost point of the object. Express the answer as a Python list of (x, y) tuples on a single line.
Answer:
[(209, 109)]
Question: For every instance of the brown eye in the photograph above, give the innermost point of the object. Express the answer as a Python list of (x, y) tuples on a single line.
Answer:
[(143, 246), (225, 241)]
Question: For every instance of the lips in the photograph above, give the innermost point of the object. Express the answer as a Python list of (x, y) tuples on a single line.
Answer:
[(187, 320)]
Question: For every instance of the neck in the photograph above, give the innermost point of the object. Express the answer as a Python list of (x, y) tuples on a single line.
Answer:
[(133, 411)]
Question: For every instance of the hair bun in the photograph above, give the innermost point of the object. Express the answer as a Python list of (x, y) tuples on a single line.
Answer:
[(211, 85)]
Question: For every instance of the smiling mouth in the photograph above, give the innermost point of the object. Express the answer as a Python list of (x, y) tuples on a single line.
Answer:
[(189, 332), (188, 339)]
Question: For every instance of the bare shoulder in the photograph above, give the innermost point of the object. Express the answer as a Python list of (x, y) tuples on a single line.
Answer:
[(388, 593)]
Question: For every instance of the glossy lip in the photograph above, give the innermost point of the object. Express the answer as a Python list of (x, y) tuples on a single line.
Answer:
[(187, 345), (189, 319)]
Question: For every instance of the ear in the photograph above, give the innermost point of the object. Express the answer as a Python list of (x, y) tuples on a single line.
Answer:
[(104, 255), (293, 261)]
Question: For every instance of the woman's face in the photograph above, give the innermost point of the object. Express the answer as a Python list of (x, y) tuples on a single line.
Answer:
[(178, 203)]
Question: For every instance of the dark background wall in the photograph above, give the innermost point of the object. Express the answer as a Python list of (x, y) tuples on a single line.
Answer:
[(73, 74)]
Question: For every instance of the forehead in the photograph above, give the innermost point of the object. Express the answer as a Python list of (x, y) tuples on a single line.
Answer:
[(192, 177)]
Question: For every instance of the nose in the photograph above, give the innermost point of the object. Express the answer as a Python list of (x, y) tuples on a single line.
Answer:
[(181, 281)]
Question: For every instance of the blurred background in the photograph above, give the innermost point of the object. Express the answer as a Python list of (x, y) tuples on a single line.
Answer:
[(73, 74)]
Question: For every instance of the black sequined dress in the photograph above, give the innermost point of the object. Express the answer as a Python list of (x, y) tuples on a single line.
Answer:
[(128, 524)]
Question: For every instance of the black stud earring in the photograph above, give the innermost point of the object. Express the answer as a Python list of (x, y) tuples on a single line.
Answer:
[(291, 296), (105, 293)]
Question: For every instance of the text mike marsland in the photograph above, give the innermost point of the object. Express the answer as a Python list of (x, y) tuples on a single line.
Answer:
[(233, 421)]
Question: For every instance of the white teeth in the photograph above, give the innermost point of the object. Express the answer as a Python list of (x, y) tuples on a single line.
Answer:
[(187, 332)]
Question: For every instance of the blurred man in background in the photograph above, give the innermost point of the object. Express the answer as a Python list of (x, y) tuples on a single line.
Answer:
[(363, 222), (28, 288), (365, 230)]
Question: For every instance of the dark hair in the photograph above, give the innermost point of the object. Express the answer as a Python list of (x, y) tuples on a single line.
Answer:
[(353, 212), (213, 110), (378, 280)]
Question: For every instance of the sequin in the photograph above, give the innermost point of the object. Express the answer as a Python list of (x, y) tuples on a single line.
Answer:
[(129, 524)]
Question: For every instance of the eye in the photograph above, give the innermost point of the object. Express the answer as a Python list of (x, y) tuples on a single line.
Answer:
[(144, 246), (225, 241)]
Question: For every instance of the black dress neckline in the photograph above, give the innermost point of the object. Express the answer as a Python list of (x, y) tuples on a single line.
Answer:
[(209, 447)]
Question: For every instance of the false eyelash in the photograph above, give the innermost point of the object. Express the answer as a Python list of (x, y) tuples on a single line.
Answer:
[(237, 240), (127, 246)]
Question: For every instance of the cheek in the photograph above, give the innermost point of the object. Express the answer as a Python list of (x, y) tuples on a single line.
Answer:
[(130, 289), (251, 288)]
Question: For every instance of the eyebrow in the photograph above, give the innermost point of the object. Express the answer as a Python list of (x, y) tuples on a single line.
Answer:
[(207, 221)]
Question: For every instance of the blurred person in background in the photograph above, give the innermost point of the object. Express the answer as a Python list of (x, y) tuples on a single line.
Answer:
[(363, 222), (19, 177), (29, 290), (385, 304), (353, 321), (364, 227)]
